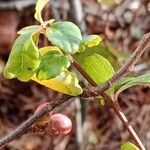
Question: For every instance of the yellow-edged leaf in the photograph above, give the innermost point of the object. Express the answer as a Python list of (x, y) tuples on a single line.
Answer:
[(24, 58), (38, 9), (66, 83), (51, 65), (89, 42)]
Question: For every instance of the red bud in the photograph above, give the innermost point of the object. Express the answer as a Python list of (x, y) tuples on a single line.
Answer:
[(44, 119)]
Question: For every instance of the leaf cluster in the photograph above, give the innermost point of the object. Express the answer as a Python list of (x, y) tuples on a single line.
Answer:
[(50, 65)]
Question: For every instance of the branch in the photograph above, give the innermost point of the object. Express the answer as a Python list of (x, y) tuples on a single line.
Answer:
[(21, 130), (128, 67), (114, 105), (123, 71), (99, 90)]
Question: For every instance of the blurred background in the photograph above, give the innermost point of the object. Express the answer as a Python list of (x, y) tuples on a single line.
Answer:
[(121, 24)]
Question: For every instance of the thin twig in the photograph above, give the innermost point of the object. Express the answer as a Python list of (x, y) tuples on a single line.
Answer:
[(123, 71), (124, 120), (20, 130), (143, 45), (128, 67), (114, 105)]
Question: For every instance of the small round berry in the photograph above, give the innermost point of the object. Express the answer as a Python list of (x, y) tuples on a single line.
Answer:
[(59, 125)]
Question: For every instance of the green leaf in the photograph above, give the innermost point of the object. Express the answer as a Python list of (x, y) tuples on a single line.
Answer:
[(29, 29), (122, 82), (52, 63), (38, 9), (102, 50), (66, 83), (99, 68), (65, 35), (129, 146), (89, 41), (24, 58), (128, 82)]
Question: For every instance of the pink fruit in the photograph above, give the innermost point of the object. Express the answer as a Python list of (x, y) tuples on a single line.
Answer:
[(59, 124)]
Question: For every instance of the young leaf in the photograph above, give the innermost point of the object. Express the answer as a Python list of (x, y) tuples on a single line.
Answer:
[(89, 41), (129, 146), (66, 83), (65, 35), (128, 82), (38, 9), (24, 58), (97, 67), (29, 29), (52, 63)]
